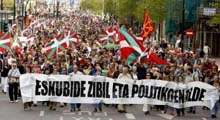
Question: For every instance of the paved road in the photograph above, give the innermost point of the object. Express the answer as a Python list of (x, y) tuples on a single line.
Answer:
[(14, 111)]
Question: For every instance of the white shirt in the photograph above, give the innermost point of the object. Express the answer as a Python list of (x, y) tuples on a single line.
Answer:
[(188, 79), (206, 49), (196, 75), (122, 76), (177, 43), (14, 72), (134, 75), (77, 73)]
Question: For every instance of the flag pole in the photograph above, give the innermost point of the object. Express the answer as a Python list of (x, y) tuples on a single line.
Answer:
[(142, 55), (67, 62), (57, 53)]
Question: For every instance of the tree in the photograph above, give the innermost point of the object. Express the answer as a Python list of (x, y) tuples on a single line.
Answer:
[(110, 6), (8, 4), (128, 8), (215, 20), (92, 5), (155, 8)]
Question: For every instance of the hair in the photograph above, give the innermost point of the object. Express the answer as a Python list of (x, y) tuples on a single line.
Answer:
[(125, 68)]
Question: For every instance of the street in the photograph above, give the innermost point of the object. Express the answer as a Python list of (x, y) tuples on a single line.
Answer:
[(155, 59), (14, 111)]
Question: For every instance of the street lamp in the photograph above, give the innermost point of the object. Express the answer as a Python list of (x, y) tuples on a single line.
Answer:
[(14, 9), (1, 4), (182, 29)]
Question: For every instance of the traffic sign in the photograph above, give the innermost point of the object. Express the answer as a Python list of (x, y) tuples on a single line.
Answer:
[(189, 33), (209, 11)]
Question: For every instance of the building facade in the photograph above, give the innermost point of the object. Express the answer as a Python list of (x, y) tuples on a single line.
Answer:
[(196, 19)]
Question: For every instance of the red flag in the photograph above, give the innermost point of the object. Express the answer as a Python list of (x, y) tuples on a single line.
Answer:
[(109, 34), (151, 57), (126, 50), (5, 42), (154, 58), (147, 26), (18, 51), (140, 43)]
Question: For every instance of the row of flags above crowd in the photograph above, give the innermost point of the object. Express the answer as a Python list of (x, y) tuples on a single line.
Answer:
[(59, 43), (63, 41), (131, 47)]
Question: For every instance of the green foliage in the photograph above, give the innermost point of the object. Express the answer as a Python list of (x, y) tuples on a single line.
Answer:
[(215, 20), (128, 8), (125, 8), (8, 4), (156, 9), (110, 6), (93, 5)]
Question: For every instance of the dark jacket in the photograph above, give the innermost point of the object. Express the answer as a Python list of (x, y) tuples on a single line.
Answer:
[(5, 71)]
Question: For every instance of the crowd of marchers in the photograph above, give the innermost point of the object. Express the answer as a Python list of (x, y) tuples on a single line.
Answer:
[(89, 57)]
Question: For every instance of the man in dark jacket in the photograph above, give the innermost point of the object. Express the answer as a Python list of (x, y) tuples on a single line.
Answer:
[(141, 70), (4, 75)]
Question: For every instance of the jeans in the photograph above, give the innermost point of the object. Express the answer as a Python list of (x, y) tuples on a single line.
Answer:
[(98, 106), (180, 110), (75, 105), (215, 109), (13, 91), (192, 109)]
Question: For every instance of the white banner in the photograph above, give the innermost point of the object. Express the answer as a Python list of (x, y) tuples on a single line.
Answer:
[(91, 89)]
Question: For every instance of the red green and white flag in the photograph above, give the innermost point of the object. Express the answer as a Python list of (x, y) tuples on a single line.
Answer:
[(26, 41), (134, 51), (54, 47), (127, 52), (131, 40), (5, 42), (71, 40), (51, 49), (108, 34), (59, 41)]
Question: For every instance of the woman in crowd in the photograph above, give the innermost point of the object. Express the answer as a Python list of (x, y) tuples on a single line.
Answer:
[(97, 72), (146, 107), (4, 76), (73, 105), (52, 105), (188, 79), (63, 71), (216, 84), (180, 80), (124, 75), (134, 73), (27, 105), (171, 78), (13, 80), (47, 71), (111, 70)]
